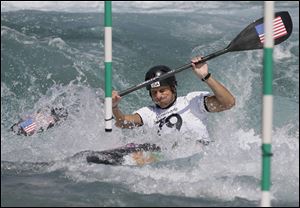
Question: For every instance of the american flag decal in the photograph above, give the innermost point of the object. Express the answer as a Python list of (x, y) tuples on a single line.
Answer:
[(279, 29), (28, 126)]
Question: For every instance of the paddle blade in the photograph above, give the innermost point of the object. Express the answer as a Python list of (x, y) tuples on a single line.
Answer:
[(252, 36)]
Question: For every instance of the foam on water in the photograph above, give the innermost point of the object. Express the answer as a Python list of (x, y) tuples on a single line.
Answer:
[(41, 69)]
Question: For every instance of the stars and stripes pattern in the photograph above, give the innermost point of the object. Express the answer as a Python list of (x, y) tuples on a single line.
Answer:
[(32, 124), (279, 29), (29, 126)]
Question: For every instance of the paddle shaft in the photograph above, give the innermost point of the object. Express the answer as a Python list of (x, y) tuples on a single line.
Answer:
[(247, 40), (171, 73)]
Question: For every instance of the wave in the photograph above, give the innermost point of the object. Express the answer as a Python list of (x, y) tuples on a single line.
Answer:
[(50, 58), (141, 7)]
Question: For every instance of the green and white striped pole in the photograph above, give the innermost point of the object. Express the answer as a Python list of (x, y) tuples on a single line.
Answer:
[(108, 65), (267, 110)]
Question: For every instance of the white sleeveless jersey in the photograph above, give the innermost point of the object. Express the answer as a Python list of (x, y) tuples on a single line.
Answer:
[(188, 115)]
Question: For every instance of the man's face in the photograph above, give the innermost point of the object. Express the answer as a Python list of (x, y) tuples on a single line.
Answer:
[(162, 95)]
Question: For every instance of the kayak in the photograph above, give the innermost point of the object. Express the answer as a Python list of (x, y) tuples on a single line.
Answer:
[(129, 154)]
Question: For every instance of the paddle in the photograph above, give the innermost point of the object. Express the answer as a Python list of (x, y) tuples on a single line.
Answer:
[(248, 39)]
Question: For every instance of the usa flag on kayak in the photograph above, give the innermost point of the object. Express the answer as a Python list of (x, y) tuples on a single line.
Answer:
[(279, 29), (28, 126)]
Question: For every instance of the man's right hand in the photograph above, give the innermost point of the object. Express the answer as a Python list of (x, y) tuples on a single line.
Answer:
[(124, 121), (116, 99)]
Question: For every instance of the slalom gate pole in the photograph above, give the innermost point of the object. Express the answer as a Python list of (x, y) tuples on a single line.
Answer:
[(108, 64), (267, 106)]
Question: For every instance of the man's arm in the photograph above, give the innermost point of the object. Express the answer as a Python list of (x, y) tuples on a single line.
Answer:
[(222, 98), (122, 120)]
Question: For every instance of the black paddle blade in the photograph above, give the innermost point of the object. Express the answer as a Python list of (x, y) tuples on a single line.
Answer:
[(249, 38)]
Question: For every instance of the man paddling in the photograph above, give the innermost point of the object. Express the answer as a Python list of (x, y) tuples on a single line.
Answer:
[(186, 114)]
